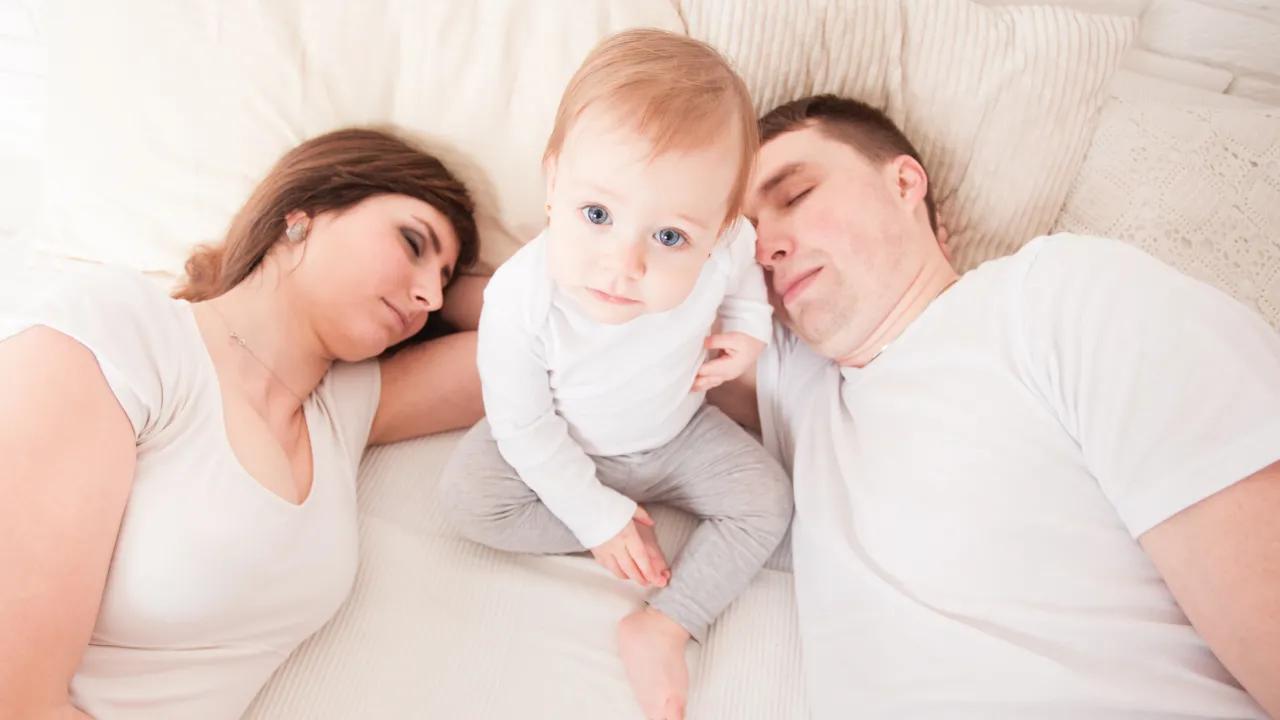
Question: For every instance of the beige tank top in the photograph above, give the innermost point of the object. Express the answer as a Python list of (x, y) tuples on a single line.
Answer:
[(215, 580)]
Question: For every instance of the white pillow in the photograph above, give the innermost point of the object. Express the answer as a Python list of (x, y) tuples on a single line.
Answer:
[(1197, 187), (1001, 102), (163, 115)]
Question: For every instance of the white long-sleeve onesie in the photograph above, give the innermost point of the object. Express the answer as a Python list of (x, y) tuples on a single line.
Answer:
[(559, 387)]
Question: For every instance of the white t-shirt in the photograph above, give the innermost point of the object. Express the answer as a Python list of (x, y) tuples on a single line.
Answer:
[(559, 386), (214, 580), (967, 505)]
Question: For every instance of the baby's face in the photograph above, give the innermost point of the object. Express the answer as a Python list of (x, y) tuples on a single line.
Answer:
[(629, 234)]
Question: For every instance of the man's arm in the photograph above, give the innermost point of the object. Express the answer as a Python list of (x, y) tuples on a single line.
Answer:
[(737, 399), (1221, 559), (1172, 390)]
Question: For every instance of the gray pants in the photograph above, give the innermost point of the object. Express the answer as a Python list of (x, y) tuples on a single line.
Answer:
[(713, 470)]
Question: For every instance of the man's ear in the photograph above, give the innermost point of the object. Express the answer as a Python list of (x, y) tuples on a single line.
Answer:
[(913, 183)]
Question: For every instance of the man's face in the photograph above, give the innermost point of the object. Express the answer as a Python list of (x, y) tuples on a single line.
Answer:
[(833, 231)]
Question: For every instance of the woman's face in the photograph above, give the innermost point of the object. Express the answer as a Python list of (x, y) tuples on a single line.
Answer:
[(369, 276)]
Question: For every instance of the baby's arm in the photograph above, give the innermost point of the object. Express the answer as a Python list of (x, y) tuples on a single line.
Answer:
[(531, 436), (745, 308), (746, 317)]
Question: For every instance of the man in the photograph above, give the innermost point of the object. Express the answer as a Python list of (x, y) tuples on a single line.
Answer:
[(1047, 489)]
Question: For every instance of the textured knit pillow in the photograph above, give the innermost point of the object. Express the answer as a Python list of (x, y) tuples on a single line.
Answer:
[(1197, 187), (1001, 102)]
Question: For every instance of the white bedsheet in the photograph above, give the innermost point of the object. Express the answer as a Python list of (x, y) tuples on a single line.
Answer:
[(438, 627)]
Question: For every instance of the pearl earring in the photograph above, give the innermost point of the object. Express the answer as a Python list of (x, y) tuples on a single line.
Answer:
[(548, 208), (296, 232)]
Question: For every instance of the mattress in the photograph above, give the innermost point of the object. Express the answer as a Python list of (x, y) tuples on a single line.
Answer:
[(439, 627)]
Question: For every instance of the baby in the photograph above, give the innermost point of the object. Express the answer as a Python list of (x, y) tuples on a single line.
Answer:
[(593, 352)]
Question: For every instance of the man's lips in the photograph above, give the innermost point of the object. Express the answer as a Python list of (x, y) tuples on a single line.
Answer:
[(793, 286), (613, 299)]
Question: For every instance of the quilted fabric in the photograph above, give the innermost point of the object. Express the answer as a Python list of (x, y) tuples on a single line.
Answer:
[(1197, 187)]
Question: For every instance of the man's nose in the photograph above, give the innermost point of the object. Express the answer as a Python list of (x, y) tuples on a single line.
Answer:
[(773, 245)]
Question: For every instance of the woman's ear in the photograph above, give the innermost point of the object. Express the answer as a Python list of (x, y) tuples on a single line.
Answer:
[(297, 217)]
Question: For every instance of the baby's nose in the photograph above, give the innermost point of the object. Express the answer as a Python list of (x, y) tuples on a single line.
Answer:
[(628, 260)]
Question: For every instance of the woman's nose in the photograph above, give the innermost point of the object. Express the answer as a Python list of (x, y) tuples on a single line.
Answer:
[(429, 291)]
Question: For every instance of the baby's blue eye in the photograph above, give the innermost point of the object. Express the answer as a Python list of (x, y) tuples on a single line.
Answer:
[(670, 238), (596, 215)]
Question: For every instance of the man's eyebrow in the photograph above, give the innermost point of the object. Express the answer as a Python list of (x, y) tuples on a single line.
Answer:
[(776, 179), (431, 234)]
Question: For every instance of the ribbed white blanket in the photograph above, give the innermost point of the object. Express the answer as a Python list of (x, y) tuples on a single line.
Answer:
[(438, 627)]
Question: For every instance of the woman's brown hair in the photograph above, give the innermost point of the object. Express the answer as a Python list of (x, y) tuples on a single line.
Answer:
[(331, 172)]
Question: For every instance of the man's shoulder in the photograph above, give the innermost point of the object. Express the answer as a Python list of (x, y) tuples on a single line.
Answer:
[(788, 366), (1068, 254), (1057, 270)]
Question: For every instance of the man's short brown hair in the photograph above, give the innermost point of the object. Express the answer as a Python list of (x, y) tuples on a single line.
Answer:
[(855, 123)]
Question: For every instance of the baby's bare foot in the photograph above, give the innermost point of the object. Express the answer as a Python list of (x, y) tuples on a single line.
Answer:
[(652, 647)]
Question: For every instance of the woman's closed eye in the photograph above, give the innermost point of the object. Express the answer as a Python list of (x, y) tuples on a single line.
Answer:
[(414, 240), (596, 214), (670, 237)]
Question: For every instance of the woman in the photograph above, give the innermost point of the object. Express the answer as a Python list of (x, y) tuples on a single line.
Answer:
[(178, 506)]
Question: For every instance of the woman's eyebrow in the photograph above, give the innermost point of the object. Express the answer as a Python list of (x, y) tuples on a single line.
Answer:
[(431, 234)]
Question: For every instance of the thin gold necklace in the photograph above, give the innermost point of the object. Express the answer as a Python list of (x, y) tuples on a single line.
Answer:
[(935, 297), (237, 339)]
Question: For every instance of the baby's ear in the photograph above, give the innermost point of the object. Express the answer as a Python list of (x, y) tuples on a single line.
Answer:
[(549, 177)]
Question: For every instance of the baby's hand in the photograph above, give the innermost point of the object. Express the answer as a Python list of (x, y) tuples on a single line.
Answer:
[(633, 554), (738, 351)]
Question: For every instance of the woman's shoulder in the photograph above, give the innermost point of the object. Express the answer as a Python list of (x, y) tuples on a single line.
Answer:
[(350, 393), (135, 331), (100, 290)]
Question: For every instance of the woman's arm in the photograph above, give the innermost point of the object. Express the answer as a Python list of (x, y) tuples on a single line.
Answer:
[(427, 389), (435, 387), (69, 453), (463, 300)]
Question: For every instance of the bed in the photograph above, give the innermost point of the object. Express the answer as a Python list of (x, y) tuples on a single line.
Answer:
[(1111, 117)]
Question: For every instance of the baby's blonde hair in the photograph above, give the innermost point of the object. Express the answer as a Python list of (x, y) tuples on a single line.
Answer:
[(678, 92)]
